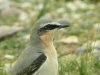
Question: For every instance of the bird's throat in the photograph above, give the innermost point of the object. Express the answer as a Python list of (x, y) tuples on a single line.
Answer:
[(47, 44)]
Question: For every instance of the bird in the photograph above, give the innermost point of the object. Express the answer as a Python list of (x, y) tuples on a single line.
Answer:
[(40, 56)]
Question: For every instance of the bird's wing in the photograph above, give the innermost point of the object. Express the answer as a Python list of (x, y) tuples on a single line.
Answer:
[(34, 66), (28, 63)]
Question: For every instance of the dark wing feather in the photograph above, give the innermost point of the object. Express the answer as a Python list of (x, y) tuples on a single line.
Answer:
[(32, 68)]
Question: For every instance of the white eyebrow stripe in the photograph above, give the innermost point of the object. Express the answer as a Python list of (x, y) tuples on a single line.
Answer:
[(54, 23)]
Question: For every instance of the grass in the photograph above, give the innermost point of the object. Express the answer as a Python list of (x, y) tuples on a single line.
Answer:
[(83, 28)]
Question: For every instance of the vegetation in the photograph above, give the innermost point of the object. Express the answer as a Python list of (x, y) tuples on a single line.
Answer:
[(79, 58)]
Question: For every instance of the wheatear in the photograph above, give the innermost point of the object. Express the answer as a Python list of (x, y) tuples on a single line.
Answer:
[(40, 56)]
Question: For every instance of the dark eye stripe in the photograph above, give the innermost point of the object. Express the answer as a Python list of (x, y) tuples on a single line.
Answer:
[(49, 27)]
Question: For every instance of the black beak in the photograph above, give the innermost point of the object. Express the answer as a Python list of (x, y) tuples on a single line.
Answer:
[(63, 26), (64, 23)]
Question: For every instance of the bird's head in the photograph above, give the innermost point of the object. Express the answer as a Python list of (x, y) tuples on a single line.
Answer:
[(50, 26), (44, 27)]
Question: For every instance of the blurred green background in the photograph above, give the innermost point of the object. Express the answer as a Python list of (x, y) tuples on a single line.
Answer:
[(78, 46)]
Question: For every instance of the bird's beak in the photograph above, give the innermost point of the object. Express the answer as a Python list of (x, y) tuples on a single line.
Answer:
[(63, 26), (64, 23)]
